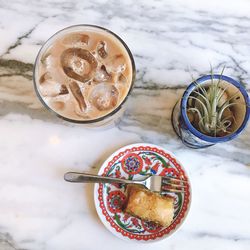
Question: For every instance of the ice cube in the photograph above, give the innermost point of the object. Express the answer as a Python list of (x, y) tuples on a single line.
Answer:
[(76, 92), (76, 40), (48, 61), (116, 64), (63, 90), (50, 88), (102, 49), (102, 75), (45, 77), (78, 64), (122, 79), (57, 105), (104, 96)]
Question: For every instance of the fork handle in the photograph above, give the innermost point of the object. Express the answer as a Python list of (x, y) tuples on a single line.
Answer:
[(90, 178)]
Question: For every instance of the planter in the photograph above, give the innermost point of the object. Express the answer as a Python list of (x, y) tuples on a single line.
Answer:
[(190, 135)]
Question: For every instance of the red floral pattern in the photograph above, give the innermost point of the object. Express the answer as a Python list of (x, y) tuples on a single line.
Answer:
[(151, 227), (132, 163), (115, 201), (155, 167), (147, 161), (135, 221), (169, 172)]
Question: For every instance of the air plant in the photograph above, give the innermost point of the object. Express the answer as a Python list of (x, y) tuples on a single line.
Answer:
[(209, 108)]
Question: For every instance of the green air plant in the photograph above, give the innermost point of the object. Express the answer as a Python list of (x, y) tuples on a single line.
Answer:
[(209, 108)]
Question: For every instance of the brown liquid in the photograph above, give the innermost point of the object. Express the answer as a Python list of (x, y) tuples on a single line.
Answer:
[(85, 75)]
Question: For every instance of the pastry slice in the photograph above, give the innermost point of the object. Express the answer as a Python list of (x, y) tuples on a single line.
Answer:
[(149, 206)]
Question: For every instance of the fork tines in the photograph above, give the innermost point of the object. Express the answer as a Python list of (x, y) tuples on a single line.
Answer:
[(173, 179), (172, 184)]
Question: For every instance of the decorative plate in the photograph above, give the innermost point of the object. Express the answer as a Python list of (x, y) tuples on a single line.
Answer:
[(133, 162)]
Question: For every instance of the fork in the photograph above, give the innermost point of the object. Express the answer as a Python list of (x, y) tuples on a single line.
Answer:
[(155, 183)]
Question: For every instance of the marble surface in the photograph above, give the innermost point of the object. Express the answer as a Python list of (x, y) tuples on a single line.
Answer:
[(170, 41)]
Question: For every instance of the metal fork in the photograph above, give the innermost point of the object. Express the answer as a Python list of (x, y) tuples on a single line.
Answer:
[(159, 184)]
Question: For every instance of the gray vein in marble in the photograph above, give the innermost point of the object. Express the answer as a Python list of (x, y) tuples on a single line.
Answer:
[(7, 243), (10, 68), (18, 41), (203, 234), (20, 38)]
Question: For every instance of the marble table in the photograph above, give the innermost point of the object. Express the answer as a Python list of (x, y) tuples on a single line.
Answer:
[(171, 41)]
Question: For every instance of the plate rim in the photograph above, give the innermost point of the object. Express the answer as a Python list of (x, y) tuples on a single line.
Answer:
[(99, 210)]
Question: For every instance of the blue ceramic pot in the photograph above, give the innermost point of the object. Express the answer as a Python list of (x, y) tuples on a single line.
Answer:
[(192, 137)]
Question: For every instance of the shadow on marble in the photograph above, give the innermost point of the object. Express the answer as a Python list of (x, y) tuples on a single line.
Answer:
[(150, 110)]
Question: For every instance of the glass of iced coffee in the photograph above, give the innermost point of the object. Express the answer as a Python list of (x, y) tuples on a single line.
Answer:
[(84, 74)]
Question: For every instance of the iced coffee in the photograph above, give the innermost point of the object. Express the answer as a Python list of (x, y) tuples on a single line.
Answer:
[(84, 73)]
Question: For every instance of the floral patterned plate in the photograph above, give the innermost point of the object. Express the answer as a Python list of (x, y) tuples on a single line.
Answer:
[(133, 162)]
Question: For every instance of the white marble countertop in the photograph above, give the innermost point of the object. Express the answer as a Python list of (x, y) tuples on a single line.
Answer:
[(170, 41)]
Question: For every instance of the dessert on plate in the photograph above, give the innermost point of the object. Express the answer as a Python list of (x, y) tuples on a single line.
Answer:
[(149, 206)]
